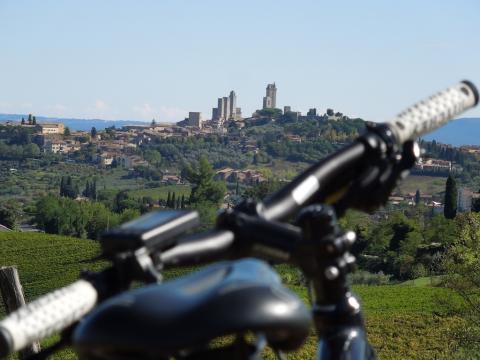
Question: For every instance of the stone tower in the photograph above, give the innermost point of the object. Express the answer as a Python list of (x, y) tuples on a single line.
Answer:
[(270, 100)]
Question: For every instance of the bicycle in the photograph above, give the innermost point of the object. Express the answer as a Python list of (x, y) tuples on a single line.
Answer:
[(181, 317)]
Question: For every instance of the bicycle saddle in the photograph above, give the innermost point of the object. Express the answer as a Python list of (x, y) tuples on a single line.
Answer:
[(224, 298)]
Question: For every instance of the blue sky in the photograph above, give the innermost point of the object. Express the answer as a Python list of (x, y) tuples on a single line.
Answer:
[(141, 59)]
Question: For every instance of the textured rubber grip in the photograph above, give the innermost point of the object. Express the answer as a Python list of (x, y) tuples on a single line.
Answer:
[(46, 315), (434, 112)]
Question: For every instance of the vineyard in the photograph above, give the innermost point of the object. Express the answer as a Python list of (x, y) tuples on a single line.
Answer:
[(402, 321)]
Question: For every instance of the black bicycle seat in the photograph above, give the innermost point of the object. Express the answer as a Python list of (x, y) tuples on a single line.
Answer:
[(224, 298)]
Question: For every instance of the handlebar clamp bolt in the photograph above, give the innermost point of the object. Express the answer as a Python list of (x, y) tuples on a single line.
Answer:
[(330, 248), (331, 272), (350, 237)]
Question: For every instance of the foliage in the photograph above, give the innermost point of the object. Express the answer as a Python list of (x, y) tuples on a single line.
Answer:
[(9, 214), (153, 157), (204, 188), (262, 190), (362, 277), (18, 151), (90, 190), (450, 203), (65, 216), (394, 244), (270, 112), (68, 188), (462, 266)]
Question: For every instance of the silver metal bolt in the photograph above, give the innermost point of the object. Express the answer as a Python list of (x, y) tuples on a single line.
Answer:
[(350, 236), (332, 272)]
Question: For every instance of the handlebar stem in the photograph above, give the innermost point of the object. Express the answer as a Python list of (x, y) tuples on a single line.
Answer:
[(326, 261)]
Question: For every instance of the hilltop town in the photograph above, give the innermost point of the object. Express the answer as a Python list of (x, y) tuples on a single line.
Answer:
[(244, 151)]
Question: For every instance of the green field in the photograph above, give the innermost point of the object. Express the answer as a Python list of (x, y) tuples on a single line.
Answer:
[(161, 192), (403, 322), (431, 185)]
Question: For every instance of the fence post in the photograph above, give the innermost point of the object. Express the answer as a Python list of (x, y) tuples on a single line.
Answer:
[(13, 298)]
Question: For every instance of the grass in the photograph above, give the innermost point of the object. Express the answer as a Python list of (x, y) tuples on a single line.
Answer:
[(403, 322), (424, 281), (161, 192), (431, 185)]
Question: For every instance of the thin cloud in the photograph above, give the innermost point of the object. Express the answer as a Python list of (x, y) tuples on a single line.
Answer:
[(57, 110), (172, 114), (99, 110), (144, 111)]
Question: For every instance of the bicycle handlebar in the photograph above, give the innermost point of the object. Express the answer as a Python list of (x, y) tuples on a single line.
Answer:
[(46, 315), (428, 115), (198, 249)]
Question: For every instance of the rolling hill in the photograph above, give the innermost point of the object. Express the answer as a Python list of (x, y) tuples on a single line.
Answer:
[(75, 124), (465, 131)]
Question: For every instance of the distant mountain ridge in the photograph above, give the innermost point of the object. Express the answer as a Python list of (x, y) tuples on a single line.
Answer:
[(464, 131), (75, 124)]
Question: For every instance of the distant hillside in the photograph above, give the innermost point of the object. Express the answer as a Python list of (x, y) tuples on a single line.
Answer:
[(464, 131), (75, 124)]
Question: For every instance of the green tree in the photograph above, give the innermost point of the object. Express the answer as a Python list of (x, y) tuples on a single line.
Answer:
[(129, 214), (23, 121), (34, 120), (9, 214), (68, 188), (30, 119), (93, 132), (271, 113), (461, 264), (153, 157), (440, 230), (204, 187), (261, 190), (66, 132), (31, 151), (450, 203)]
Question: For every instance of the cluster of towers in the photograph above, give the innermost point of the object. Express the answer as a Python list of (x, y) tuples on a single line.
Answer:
[(227, 109)]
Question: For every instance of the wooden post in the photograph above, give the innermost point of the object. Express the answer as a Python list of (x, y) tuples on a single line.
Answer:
[(13, 298)]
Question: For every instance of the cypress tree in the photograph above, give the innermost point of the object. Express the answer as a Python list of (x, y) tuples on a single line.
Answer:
[(86, 192), (417, 197), (173, 200), (182, 203), (169, 198), (94, 190), (450, 203), (178, 203), (62, 187)]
